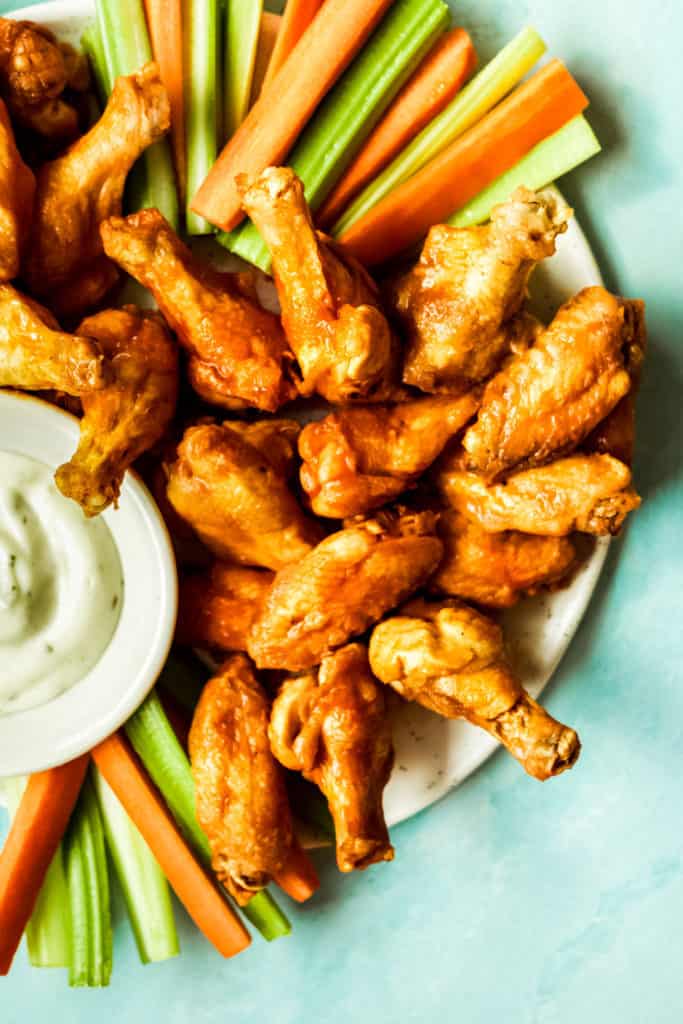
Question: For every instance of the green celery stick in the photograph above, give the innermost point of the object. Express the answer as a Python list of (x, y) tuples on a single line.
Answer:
[(93, 47), (200, 30), (557, 155), (126, 47), (242, 30), (144, 885), (479, 96), (352, 109), (88, 883)]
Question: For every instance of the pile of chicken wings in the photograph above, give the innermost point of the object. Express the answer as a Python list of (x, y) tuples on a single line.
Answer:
[(457, 449)]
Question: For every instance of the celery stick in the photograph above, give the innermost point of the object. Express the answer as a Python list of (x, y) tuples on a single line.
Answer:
[(144, 885), (549, 160), (352, 109), (242, 29), (93, 47), (478, 97), (126, 46), (200, 31), (88, 882)]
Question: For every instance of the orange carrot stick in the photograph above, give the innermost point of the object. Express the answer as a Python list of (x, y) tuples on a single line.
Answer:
[(37, 829), (535, 110), (297, 16), (202, 900), (270, 28), (298, 878), (274, 123), (164, 21), (438, 78)]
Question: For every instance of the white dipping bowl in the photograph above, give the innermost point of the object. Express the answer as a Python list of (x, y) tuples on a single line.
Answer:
[(93, 708)]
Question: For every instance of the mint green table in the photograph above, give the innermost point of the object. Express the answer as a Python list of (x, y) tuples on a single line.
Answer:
[(509, 901)]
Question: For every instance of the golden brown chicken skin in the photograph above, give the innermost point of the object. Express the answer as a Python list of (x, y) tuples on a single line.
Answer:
[(128, 417), (459, 302), (342, 587), (588, 493), (549, 398), (17, 190), (497, 569), (274, 438), (332, 725), (217, 607), (616, 434), (36, 355), (236, 500), (75, 193), (238, 353), (240, 791), (362, 457), (451, 659), (330, 306)]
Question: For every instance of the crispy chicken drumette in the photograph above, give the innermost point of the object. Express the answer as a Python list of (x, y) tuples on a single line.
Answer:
[(17, 190), (330, 305), (241, 798), (216, 608), (129, 416), (75, 193), (332, 725), (459, 302), (452, 660), (362, 457), (238, 353), (343, 586)]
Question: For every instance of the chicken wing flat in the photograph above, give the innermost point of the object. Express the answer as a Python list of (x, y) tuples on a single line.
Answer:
[(362, 457), (549, 398), (497, 569), (332, 725), (330, 306), (75, 193), (343, 586), (237, 502), (36, 355), (588, 493), (241, 798), (459, 302), (216, 608), (128, 417), (274, 438), (17, 189), (452, 660), (238, 352), (617, 433)]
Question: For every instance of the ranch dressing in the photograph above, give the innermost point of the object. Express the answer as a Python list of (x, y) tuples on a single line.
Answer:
[(60, 587)]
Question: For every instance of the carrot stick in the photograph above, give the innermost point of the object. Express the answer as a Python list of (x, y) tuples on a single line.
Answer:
[(298, 878), (436, 81), (36, 832), (270, 28), (205, 905), (274, 123), (535, 110), (296, 17), (164, 21)]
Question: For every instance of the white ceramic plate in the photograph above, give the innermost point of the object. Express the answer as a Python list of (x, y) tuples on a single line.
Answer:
[(432, 754)]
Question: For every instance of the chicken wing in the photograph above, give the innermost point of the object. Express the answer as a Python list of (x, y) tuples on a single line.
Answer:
[(589, 493), (343, 586), (459, 302), (496, 569), (217, 608), (330, 306), (276, 439), (617, 433), (332, 725), (17, 189), (129, 416), (241, 798), (238, 503), (36, 355), (238, 352), (66, 264), (452, 660), (549, 398), (362, 457)]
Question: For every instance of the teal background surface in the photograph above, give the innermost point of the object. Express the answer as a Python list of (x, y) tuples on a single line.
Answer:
[(510, 901)]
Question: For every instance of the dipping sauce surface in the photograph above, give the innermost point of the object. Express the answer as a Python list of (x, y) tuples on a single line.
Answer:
[(60, 587)]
